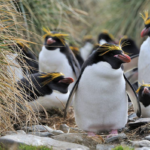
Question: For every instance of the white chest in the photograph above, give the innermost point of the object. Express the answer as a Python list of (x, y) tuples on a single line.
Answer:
[(101, 100), (55, 100), (145, 111), (102, 41), (14, 69), (86, 50), (55, 61), (144, 62)]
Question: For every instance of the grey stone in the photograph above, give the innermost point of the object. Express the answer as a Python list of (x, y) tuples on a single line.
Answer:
[(104, 147), (64, 128), (147, 137), (117, 137), (143, 148), (57, 132), (9, 132), (37, 128), (132, 116), (139, 122), (42, 134), (21, 132), (143, 143), (129, 105), (37, 141), (70, 137)]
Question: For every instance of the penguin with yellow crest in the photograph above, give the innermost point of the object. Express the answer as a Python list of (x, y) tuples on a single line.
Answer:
[(56, 56), (144, 98), (39, 90), (100, 101), (144, 56)]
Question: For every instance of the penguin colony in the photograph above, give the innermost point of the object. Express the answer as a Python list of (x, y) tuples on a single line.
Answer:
[(97, 79)]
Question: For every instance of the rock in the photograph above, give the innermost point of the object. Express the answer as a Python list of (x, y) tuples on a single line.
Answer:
[(147, 137), (42, 134), (129, 105), (37, 128), (57, 132), (70, 137), (76, 130), (117, 137), (37, 141), (9, 132), (143, 143), (104, 147), (79, 138), (20, 132), (64, 128), (143, 148), (132, 116), (139, 122)]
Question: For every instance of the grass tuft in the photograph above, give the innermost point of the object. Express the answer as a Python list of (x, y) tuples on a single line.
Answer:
[(30, 147)]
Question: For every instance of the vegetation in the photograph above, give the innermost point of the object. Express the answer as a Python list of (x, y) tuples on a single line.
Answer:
[(30, 147), (123, 148)]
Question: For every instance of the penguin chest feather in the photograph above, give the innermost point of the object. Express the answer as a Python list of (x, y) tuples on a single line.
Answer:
[(144, 62), (101, 100), (14, 69), (54, 100), (86, 50), (55, 61)]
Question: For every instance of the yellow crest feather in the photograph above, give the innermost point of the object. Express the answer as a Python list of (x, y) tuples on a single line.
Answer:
[(105, 48), (51, 76), (73, 48), (60, 36), (145, 18)]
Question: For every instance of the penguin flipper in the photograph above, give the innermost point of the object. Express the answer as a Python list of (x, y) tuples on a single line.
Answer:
[(131, 65), (71, 97), (74, 63), (131, 93)]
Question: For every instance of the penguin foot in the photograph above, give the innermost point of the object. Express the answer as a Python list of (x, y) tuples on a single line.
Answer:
[(91, 134), (112, 133)]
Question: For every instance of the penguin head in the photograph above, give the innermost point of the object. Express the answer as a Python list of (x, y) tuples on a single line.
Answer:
[(105, 37), (146, 30), (131, 47), (112, 54), (144, 94), (56, 81), (54, 40)]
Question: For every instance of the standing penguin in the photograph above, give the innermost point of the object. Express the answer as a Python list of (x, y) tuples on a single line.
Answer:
[(56, 56), (87, 48), (144, 99), (101, 90), (144, 56), (23, 61), (77, 54), (39, 89)]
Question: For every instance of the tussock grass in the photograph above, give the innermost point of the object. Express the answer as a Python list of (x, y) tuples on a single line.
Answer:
[(14, 110)]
